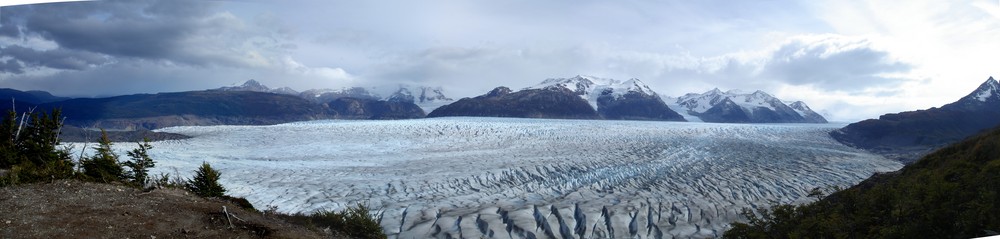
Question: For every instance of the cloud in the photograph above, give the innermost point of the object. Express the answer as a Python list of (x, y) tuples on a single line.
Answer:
[(833, 63), (11, 66), (61, 58), (178, 32)]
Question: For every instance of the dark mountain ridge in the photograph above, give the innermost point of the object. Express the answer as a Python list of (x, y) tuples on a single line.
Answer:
[(30, 97), (152, 111), (210, 107), (906, 136)]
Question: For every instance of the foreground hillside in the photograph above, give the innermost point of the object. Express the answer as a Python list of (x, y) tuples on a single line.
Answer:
[(93, 210), (951, 193)]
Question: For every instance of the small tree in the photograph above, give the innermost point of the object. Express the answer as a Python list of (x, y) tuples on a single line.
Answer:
[(103, 166), (206, 182), (139, 163)]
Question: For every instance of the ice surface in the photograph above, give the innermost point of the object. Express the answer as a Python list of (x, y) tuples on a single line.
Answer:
[(523, 178)]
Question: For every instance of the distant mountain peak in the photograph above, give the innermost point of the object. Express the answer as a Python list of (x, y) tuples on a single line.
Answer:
[(800, 106), (590, 88), (256, 86), (252, 83), (989, 90), (499, 91)]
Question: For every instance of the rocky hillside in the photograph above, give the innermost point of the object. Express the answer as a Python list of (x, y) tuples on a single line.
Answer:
[(70, 208), (908, 135)]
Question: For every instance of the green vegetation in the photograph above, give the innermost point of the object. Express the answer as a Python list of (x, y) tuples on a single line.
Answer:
[(139, 163), (206, 182), (28, 148), (356, 222), (103, 166), (951, 193)]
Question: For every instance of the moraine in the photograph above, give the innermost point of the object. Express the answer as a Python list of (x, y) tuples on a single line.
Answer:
[(520, 178)]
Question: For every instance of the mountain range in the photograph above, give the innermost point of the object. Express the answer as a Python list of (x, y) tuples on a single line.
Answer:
[(631, 100), (579, 97), (906, 136), (735, 106), (428, 98), (249, 104)]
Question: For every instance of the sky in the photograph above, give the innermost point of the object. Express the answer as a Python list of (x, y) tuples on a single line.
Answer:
[(847, 59)]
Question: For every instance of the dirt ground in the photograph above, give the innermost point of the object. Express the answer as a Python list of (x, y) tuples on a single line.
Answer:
[(75, 209)]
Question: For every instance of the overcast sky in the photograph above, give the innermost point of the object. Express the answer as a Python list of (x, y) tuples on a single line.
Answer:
[(849, 60)]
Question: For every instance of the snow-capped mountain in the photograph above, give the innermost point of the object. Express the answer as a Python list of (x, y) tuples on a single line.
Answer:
[(613, 99), (590, 87), (428, 98), (988, 93), (253, 85), (734, 106), (327, 95), (806, 112)]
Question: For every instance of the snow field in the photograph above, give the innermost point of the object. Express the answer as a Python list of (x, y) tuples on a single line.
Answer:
[(524, 178)]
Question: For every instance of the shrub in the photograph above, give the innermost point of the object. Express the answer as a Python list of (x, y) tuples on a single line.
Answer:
[(28, 148), (103, 166), (206, 182), (354, 222), (139, 164), (165, 181)]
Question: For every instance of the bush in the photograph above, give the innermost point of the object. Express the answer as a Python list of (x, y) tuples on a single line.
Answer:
[(139, 164), (355, 222), (165, 181), (28, 150), (103, 166), (206, 182)]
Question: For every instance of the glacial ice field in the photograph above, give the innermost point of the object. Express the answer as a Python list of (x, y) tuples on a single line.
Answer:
[(523, 178)]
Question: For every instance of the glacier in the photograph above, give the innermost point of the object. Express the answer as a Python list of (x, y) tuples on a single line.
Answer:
[(522, 178)]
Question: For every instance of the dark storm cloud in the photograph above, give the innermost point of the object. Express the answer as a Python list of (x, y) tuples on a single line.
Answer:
[(833, 64), (8, 27), (11, 66), (61, 58), (175, 31)]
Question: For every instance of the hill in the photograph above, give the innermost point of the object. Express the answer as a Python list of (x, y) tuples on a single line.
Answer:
[(151, 111), (30, 97), (951, 193), (908, 135)]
